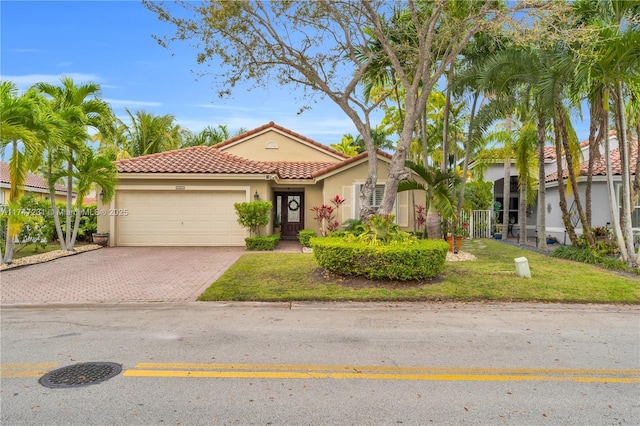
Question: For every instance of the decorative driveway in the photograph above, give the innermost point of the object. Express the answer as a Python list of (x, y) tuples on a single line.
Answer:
[(118, 275)]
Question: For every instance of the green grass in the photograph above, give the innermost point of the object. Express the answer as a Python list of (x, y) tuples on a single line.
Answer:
[(31, 249), (297, 277)]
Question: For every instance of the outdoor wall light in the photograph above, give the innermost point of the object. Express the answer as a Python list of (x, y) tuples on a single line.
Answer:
[(101, 195), (256, 196)]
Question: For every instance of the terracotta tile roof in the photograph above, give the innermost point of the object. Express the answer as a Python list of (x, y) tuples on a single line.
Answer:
[(599, 168), (271, 124), (336, 166), (299, 170), (549, 152), (33, 181), (197, 159)]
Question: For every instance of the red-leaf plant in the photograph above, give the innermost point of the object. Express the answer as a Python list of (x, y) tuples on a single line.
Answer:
[(326, 215)]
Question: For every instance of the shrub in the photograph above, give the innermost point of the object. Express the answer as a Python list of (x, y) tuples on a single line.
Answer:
[(253, 215), (381, 229), (353, 226), (403, 262), (305, 235), (262, 243), (586, 255)]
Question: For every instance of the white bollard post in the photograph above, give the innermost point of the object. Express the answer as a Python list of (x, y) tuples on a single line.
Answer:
[(522, 267)]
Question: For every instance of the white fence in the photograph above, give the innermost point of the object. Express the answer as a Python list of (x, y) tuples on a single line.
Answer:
[(479, 223)]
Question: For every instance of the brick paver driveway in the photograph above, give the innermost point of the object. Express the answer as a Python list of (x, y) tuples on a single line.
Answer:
[(119, 274)]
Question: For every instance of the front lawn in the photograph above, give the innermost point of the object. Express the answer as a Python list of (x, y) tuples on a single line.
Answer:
[(297, 277)]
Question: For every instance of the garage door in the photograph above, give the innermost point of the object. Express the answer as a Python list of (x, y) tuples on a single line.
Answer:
[(186, 218)]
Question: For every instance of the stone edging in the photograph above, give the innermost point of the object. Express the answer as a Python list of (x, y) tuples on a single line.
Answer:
[(48, 256)]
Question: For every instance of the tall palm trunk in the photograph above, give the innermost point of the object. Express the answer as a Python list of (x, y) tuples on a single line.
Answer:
[(68, 210), (623, 148), (542, 211), (506, 187), (566, 217), (467, 153), (10, 238), (586, 230)]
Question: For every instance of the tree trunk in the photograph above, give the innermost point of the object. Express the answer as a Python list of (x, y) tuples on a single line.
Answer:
[(9, 246), (542, 211), (434, 230), (67, 245), (506, 188), (467, 153), (623, 148), (522, 237), (594, 153), (566, 217), (445, 122), (586, 230)]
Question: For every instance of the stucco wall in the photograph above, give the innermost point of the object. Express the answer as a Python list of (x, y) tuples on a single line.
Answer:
[(274, 146), (346, 185)]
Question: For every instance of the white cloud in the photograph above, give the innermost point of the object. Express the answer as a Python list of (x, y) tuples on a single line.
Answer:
[(130, 103)]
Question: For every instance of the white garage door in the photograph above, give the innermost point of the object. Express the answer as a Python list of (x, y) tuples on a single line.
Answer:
[(185, 218)]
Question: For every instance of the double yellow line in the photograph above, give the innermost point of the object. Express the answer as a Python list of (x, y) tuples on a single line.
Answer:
[(9, 371), (366, 372), (283, 371)]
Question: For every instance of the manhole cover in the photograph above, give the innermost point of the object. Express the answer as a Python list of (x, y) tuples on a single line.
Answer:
[(74, 376)]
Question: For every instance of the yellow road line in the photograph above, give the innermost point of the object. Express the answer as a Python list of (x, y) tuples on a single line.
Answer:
[(382, 376), (383, 369), (8, 371), (307, 371)]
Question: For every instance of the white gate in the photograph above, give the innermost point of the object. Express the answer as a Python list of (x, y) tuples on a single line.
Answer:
[(479, 223)]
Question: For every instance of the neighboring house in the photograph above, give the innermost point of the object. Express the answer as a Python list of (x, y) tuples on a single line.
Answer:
[(601, 215), (600, 211), (186, 197), (35, 185)]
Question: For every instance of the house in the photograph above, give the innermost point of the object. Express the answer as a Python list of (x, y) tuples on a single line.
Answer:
[(186, 197), (601, 215), (600, 212), (35, 185)]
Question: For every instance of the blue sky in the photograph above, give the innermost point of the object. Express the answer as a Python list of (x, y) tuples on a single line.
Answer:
[(109, 42)]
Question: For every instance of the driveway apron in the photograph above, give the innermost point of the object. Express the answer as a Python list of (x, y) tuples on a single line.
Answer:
[(119, 274)]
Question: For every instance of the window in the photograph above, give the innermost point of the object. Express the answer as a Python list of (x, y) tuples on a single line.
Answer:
[(635, 212), (376, 197), (375, 200), (635, 215)]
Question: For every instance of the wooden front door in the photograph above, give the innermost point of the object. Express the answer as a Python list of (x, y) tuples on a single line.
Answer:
[(291, 210)]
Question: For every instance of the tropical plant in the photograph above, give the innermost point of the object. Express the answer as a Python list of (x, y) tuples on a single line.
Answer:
[(209, 136), (79, 107), (325, 215), (439, 187), (19, 127), (254, 214)]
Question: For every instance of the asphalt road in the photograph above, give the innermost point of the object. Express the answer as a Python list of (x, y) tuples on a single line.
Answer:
[(281, 364)]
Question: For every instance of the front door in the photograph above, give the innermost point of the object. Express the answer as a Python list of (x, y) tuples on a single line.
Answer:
[(291, 210)]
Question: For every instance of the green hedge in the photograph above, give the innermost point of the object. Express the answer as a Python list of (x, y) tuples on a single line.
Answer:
[(262, 243), (305, 235), (403, 262)]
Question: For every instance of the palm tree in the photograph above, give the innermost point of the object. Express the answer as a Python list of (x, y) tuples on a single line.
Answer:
[(150, 134), (18, 129), (209, 136), (438, 185), (80, 107), (346, 146), (612, 70), (93, 169)]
